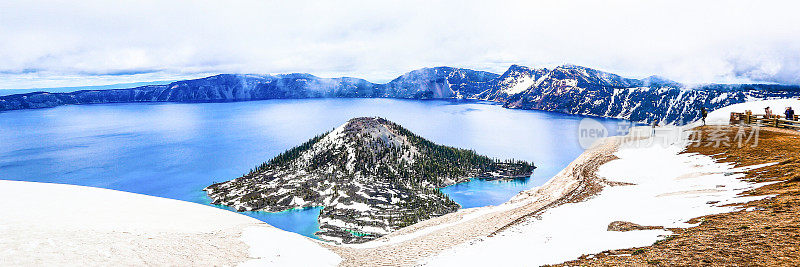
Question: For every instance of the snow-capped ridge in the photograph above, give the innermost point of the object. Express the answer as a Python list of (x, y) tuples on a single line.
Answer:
[(568, 89)]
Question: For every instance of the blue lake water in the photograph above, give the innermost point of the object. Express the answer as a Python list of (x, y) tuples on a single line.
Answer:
[(174, 150)]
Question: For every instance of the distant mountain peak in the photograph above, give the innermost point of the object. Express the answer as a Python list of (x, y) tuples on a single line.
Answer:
[(517, 67), (571, 66), (658, 81)]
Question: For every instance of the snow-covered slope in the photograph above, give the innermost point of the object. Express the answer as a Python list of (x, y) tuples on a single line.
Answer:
[(515, 80), (370, 175), (660, 186), (581, 90), (44, 224), (439, 83)]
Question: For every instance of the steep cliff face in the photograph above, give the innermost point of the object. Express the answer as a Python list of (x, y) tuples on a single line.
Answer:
[(371, 176), (439, 83), (429, 83), (567, 89), (514, 81), (580, 90)]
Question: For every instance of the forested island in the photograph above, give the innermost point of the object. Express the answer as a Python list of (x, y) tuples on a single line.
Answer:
[(372, 177)]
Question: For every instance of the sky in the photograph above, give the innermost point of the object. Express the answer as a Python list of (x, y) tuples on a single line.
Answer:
[(76, 43)]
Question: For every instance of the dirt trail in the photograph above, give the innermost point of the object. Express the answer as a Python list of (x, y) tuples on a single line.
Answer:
[(409, 245)]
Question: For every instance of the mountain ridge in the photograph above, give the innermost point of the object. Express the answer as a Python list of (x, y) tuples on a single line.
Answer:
[(568, 89)]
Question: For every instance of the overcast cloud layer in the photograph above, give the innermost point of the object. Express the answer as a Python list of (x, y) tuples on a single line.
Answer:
[(71, 43)]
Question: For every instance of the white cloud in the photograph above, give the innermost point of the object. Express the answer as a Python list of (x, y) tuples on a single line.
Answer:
[(68, 43)]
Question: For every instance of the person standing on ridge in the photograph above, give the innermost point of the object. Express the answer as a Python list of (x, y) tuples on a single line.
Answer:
[(654, 124), (703, 113), (767, 113), (789, 113)]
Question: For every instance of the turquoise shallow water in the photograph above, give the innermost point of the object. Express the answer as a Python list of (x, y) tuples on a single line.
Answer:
[(174, 150), (480, 193)]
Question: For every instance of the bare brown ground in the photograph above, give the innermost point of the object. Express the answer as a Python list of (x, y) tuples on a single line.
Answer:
[(575, 183), (764, 232)]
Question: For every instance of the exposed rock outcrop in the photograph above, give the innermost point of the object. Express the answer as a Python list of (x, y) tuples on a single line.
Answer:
[(623, 226)]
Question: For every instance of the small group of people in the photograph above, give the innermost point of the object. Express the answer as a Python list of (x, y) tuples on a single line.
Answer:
[(789, 113)]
